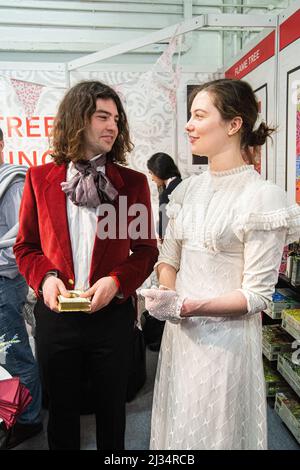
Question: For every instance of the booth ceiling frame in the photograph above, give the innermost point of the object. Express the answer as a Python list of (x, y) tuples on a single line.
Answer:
[(222, 20)]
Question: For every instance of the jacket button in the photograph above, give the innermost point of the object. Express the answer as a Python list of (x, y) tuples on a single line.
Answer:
[(70, 281)]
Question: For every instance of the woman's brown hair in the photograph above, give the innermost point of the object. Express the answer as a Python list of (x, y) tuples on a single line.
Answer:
[(74, 114), (236, 98)]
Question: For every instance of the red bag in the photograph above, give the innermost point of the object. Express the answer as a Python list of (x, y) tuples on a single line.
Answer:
[(14, 398)]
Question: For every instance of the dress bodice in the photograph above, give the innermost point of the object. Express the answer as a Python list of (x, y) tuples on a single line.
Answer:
[(212, 215)]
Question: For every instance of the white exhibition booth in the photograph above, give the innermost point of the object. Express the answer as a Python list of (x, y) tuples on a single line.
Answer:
[(155, 97), (272, 67)]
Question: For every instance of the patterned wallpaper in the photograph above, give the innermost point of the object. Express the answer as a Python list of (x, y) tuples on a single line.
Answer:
[(155, 102)]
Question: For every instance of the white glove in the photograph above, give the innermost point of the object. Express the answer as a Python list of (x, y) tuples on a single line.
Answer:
[(163, 304)]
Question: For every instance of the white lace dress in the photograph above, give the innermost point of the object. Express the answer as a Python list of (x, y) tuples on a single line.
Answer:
[(227, 231)]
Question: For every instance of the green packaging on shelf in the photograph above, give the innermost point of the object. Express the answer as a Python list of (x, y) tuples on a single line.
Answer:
[(289, 370), (292, 317), (282, 299), (275, 340), (272, 389), (287, 406), (273, 380)]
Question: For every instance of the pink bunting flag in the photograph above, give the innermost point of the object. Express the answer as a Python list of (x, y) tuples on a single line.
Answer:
[(28, 94)]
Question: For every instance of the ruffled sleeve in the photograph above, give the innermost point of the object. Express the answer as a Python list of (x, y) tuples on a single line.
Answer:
[(267, 226), (269, 211), (176, 198)]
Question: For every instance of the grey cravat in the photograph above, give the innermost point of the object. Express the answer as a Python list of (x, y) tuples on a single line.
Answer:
[(90, 187)]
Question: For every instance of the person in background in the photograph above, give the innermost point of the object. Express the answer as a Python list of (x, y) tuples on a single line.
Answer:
[(76, 232), (165, 174), (19, 361), (219, 262)]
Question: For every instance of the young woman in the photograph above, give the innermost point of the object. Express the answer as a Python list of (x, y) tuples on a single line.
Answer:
[(220, 261), (166, 175)]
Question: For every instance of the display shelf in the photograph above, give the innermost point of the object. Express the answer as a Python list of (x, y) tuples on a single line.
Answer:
[(283, 298), (273, 315), (284, 281), (289, 370), (287, 402), (290, 329), (287, 406), (274, 341), (291, 322)]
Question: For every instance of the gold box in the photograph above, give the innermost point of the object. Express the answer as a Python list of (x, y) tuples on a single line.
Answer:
[(74, 303)]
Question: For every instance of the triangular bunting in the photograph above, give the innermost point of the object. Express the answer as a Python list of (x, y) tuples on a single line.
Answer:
[(28, 94)]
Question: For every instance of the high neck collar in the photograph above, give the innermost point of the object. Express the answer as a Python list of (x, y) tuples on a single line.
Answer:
[(233, 171)]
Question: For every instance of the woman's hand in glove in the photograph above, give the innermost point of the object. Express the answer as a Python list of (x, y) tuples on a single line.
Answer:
[(163, 304)]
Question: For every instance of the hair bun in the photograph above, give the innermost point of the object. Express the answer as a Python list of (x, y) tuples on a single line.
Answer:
[(259, 136)]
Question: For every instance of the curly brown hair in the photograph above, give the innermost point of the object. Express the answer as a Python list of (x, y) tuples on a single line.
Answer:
[(74, 114)]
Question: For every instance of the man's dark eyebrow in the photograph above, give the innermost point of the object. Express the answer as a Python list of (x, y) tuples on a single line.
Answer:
[(105, 112)]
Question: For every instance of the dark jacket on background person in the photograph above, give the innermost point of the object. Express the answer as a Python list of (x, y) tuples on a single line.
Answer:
[(163, 201)]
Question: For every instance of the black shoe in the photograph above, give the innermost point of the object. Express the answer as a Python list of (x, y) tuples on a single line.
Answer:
[(20, 432), (3, 436)]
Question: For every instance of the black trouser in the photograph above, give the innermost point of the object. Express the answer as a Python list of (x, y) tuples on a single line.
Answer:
[(101, 341)]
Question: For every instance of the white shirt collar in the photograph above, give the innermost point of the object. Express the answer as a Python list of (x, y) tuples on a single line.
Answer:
[(169, 180)]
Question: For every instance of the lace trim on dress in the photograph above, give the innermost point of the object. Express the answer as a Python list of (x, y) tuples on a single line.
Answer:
[(232, 171), (288, 217)]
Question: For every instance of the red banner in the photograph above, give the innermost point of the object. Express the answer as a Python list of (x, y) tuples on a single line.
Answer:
[(256, 56), (290, 30)]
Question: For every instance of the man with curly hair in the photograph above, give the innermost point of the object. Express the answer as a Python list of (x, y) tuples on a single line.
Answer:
[(62, 245)]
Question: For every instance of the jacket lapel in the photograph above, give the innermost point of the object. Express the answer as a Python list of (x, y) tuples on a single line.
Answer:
[(56, 205), (112, 172)]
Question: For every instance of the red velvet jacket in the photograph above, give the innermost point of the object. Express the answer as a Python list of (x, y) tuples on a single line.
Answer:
[(43, 242)]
